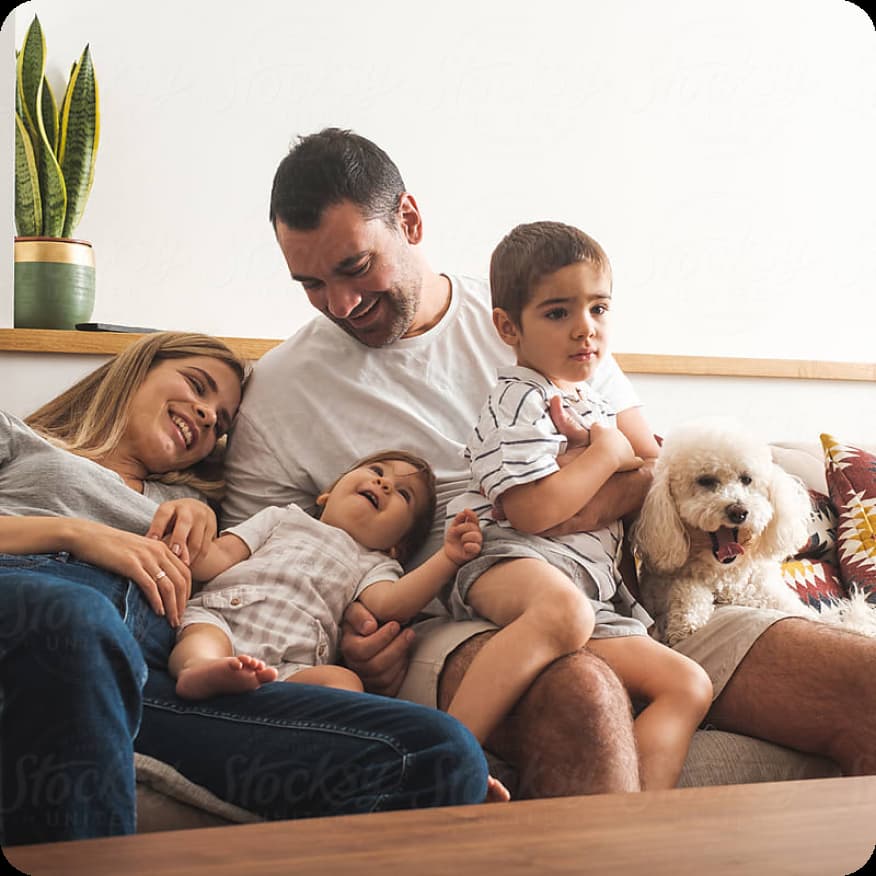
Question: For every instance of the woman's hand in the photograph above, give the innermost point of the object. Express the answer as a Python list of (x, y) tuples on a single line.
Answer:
[(187, 526), (378, 655), (162, 576)]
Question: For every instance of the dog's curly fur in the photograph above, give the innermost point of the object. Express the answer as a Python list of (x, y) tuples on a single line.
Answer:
[(713, 477)]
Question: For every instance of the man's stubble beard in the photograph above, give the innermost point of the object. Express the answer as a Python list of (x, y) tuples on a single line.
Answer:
[(402, 307)]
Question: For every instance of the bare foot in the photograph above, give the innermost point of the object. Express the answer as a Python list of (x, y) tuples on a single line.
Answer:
[(225, 675), (496, 791)]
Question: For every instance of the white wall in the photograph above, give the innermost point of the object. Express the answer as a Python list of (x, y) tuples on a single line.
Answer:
[(722, 153), (773, 410), (28, 380)]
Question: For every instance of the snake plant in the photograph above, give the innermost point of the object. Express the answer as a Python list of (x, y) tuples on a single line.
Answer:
[(55, 150)]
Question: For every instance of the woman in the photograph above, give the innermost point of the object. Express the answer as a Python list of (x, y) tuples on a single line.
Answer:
[(99, 519)]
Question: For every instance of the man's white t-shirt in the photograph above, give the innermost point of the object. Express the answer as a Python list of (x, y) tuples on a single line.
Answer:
[(321, 400)]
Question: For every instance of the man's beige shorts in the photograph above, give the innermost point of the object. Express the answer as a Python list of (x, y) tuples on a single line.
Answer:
[(718, 647), (435, 640)]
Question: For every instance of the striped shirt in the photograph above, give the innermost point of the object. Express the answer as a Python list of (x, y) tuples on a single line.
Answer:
[(515, 442)]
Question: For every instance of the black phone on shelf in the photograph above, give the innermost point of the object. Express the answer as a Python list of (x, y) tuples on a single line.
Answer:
[(112, 327)]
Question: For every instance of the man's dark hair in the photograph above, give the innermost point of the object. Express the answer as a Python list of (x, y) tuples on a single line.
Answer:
[(331, 166)]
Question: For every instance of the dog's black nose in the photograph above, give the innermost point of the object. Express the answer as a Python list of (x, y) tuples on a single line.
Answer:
[(736, 513)]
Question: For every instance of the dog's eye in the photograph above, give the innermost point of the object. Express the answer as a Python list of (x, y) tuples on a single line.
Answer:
[(708, 482), (745, 479)]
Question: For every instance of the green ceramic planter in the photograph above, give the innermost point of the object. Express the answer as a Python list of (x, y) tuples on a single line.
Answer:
[(54, 282)]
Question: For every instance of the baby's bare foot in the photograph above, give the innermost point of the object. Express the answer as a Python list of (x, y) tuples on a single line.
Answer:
[(225, 675)]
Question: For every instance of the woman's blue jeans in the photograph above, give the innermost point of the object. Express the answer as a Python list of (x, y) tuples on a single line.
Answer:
[(83, 683)]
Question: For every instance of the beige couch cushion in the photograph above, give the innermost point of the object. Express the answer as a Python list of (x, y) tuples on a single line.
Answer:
[(189, 805), (753, 760)]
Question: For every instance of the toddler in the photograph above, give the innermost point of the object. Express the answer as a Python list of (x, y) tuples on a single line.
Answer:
[(553, 594), (279, 582)]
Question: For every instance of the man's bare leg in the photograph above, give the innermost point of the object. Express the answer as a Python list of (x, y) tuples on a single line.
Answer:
[(570, 733), (807, 686)]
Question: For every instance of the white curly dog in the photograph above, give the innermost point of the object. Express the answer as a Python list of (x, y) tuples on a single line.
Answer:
[(717, 523)]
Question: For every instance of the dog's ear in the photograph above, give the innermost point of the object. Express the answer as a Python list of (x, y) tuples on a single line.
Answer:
[(788, 531), (658, 534)]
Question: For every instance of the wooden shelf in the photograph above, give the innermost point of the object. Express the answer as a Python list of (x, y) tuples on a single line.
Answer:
[(107, 343), (726, 366), (103, 343)]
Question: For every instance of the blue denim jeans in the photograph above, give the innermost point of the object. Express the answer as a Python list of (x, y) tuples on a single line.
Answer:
[(76, 699), (71, 676)]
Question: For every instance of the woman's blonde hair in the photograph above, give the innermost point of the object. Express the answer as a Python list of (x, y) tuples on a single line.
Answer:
[(90, 418)]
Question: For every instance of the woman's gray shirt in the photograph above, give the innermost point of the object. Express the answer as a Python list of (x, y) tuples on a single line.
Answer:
[(38, 479)]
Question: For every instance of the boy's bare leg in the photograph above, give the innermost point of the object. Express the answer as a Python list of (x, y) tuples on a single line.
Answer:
[(542, 615), (328, 675), (203, 664), (570, 733), (807, 686), (496, 791), (678, 693)]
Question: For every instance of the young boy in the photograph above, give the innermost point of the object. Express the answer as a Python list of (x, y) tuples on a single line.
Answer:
[(553, 594), (282, 579)]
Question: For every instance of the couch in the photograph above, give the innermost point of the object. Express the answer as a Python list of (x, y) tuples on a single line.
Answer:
[(167, 801)]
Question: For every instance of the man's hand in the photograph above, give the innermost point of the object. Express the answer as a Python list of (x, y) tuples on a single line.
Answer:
[(378, 655)]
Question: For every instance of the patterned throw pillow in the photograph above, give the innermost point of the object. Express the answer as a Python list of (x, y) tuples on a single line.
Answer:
[(816, 582), (812, 573), (851, 482), (821, 544)]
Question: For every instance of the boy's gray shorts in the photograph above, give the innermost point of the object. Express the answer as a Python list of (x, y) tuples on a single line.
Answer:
[(515, 546)]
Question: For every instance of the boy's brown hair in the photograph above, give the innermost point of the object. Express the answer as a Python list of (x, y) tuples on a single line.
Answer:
[(530, 252), (419, 532)]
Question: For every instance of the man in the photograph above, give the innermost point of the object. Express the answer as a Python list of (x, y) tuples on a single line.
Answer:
[(405, 357)]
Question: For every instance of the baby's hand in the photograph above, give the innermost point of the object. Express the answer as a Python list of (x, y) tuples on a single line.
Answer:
[(187, 526), (610, 440), (463, 539)]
